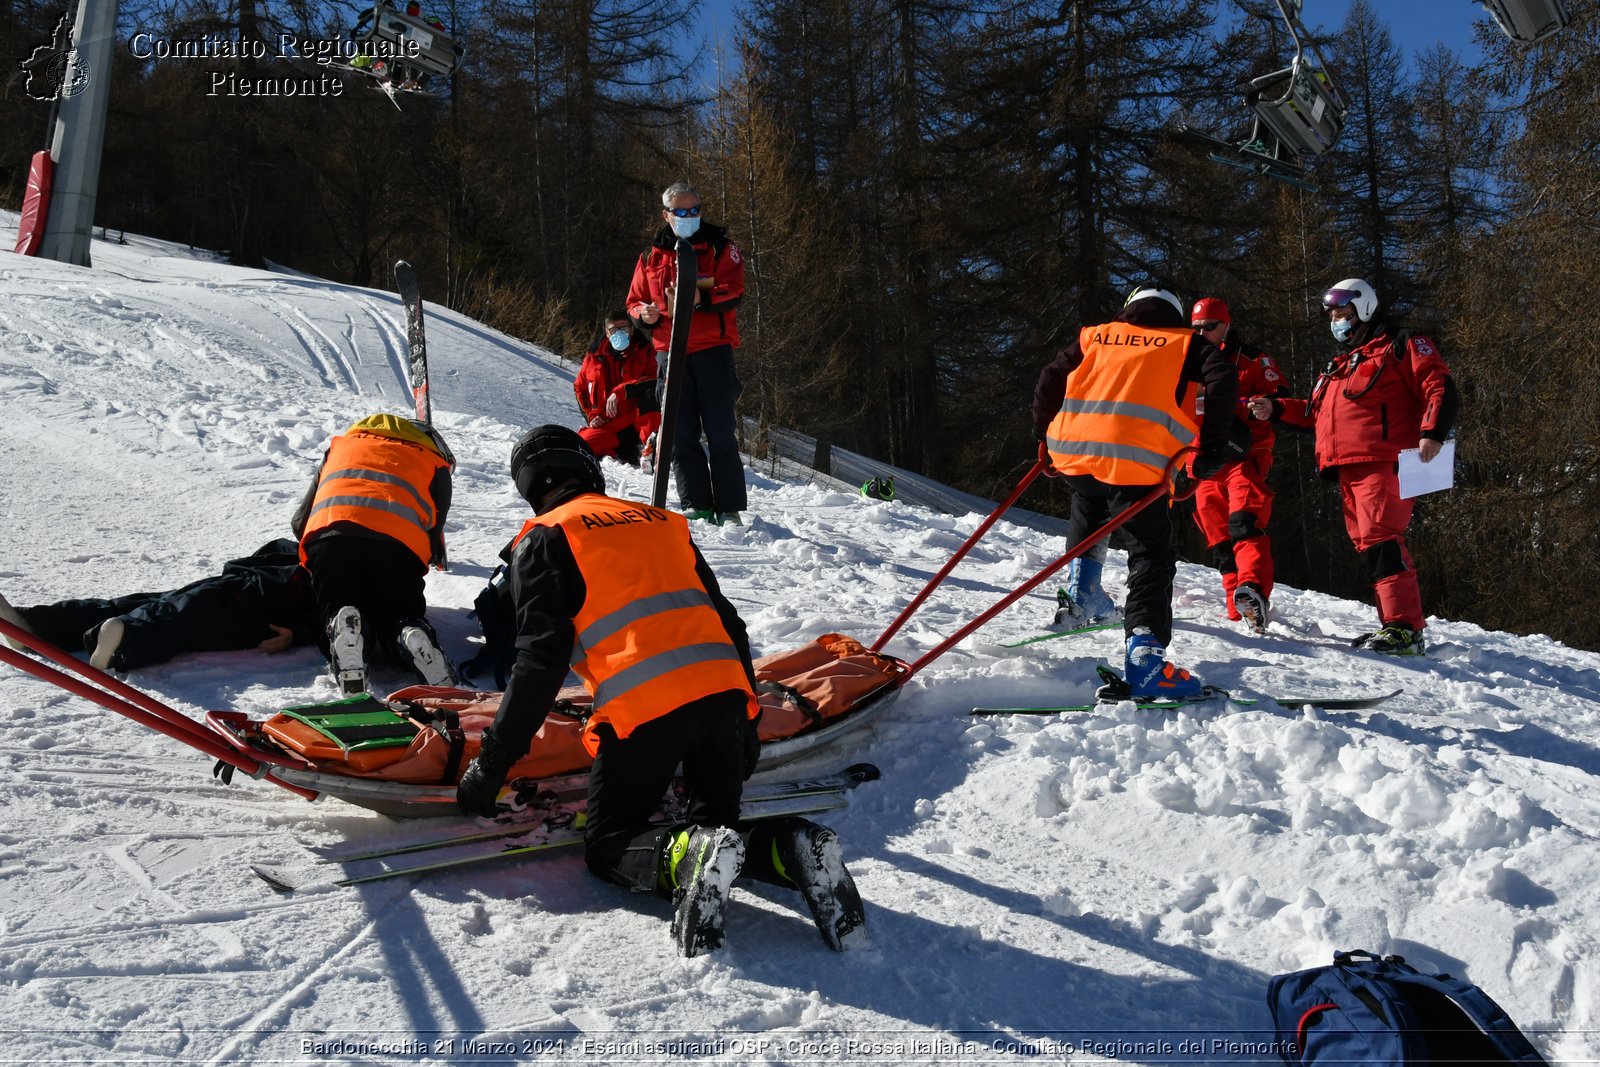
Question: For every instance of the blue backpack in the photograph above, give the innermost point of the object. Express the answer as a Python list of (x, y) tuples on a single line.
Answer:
[(1380, 1010)]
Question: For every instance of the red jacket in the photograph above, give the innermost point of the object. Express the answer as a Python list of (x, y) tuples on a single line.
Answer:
[(606, 371), (1259, 375), (1375, 400), (720, 287)]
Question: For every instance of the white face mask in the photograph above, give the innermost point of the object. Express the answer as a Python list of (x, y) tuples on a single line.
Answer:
[(685, 227), (1342, 329), (619, 339)]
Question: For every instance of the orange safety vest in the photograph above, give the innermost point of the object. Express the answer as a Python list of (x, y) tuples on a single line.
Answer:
[(380, 483), (1120, 421), (649, 639)]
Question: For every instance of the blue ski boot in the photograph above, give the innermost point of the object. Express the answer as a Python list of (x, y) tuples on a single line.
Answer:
[(1083, 602), (1151, 677)]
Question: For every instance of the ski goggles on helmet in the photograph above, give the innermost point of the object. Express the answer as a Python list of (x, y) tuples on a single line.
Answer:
[(1339, 298)]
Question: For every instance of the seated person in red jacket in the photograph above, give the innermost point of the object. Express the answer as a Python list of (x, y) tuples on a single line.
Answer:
[(616, 389)]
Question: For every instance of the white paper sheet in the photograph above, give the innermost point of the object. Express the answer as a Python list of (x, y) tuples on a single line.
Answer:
[(1417, 477)]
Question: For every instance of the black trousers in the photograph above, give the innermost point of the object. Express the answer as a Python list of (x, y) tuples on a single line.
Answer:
[(709, 478), (1152, 559), (212, 615), (380, 577), (630, 775)]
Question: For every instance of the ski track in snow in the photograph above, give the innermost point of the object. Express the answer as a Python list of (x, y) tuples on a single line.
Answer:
[(1029, 879)]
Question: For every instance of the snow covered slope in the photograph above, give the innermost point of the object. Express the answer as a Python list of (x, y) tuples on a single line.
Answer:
[(1033, 883)]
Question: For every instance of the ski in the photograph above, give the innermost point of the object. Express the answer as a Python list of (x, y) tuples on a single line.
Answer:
[(1328, 702), (1051, 635), (537, 809), (416, 341), (677, 354), (1115, 624), (557, 827), (1333, 702)]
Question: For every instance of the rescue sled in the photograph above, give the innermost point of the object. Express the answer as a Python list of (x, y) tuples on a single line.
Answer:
[(403, 755)]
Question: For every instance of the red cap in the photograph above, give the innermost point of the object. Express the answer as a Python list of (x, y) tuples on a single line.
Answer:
[(1210, 309)]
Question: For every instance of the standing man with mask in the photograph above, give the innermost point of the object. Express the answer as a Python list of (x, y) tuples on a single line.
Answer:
[(1384, 390), (710, 487), (1233, 509)]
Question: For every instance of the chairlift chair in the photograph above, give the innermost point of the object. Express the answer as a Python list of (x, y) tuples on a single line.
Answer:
[(1528, 20), (1300, 106), (436, 52)]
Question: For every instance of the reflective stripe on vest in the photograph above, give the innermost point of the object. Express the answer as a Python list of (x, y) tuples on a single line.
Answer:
[(1120, 421), (381, 484), (649, 638)]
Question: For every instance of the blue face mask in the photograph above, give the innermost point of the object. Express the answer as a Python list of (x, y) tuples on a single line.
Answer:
[(619, 339), (685, 227), (1342, 329)]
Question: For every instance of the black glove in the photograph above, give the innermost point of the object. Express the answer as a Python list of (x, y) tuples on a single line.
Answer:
[(480, 785), (1234, 449)]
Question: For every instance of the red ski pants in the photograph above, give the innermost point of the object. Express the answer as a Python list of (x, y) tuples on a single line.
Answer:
[(1232, 511), (606, 441), (1376, 517)]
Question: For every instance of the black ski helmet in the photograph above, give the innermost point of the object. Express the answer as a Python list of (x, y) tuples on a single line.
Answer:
[(550, 456)]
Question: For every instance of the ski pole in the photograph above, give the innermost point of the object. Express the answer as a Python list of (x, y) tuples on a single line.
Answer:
[(688, 267), (189, 733), (983, 528), (1161, 490)]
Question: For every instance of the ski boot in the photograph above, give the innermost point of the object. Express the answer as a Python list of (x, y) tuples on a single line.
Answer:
[(701, 515), (347, 652), (728, 518), (879, 488), (1252, 605), (647, 457), (1151, 677), (1083, 602), (701, 864), (1394, 639), (423, 651), (14, 617), (107, 643), (808, 855)]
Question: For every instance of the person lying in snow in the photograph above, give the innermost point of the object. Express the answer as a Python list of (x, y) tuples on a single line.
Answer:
[(261, 601)]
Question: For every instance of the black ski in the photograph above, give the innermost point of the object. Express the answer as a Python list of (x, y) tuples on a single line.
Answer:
[(677, 352), (555, 827), (416, 340)]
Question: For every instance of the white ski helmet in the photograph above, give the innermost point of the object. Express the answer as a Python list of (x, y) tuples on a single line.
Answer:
[(1352, 292), (1144, 292)]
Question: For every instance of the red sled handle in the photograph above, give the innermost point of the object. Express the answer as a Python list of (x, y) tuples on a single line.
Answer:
[(117, 696), (1160, 491), (933, 583)]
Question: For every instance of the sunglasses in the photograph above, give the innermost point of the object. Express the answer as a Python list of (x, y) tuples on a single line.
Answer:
[(1211, 325), (685, 212)]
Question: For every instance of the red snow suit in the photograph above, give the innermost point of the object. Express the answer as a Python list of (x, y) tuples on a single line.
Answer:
[(1233, 508), (1373, 401), (720, 285), (604, 372)]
